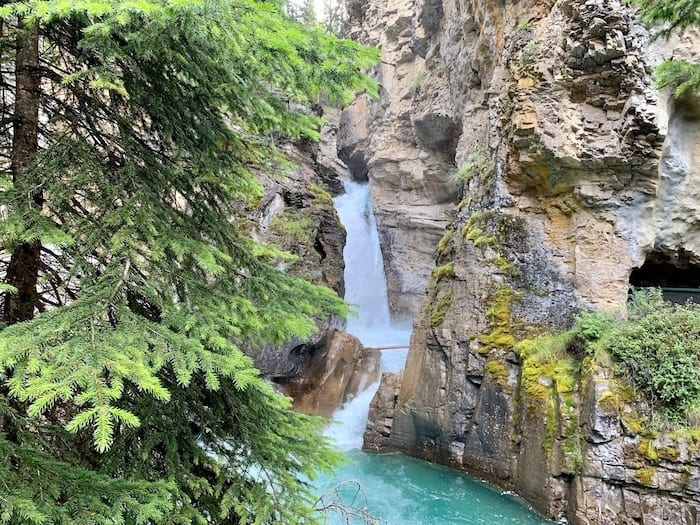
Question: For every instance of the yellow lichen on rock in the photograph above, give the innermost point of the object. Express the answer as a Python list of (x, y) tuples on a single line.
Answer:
[(498, 315)]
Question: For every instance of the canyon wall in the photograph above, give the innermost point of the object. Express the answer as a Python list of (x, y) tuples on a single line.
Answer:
[(534, 128), (296, 214), (405, 144)]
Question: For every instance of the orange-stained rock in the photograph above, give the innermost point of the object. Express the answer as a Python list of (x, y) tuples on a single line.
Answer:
[(343, 369), (572, 170)]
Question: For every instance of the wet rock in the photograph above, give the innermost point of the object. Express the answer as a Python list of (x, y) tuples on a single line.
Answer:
[(381, 414), (296, 214), (325, 379)]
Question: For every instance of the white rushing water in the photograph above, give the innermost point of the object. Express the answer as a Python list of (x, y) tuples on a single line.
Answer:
[(365, 287)]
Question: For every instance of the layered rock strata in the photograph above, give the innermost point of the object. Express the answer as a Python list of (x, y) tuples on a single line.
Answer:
[(574, 170), (405, 145), (296, 214)]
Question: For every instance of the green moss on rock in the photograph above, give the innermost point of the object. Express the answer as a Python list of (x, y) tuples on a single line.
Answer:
[(647, 449), (500, 373), (668, 453), (320, 194), (633, 424), (445, 241), (548, 378), (499, 317), (439, 309), (645, 476), (484, 240), (446, 270), (295, 228), (547, 357), (609, 402), (691, 435)]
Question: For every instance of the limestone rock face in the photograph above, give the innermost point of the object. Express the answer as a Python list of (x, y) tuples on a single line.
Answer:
[(327, 378), (296, 213), (572, 171), (381, 413), (627, 474), (405, 144)]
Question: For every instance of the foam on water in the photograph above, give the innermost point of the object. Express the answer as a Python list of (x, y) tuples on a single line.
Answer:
[(365, 281), (365, 287), (350, 420)]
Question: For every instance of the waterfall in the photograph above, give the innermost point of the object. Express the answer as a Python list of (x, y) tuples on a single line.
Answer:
[(365, 288), (395, 489), (365, 281)]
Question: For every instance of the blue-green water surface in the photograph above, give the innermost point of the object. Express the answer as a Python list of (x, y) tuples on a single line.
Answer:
[(405, 491)]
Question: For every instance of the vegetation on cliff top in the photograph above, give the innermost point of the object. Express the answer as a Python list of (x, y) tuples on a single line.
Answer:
[(132, 131), (676, 16), (658, 349)]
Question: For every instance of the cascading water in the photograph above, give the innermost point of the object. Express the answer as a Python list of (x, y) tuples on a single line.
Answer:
[(365, 288), (397, 490), (365, 282)]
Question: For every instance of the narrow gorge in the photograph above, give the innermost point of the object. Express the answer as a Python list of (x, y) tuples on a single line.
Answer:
[(469, 233), (391, 488), (524, 166), (524, 169)]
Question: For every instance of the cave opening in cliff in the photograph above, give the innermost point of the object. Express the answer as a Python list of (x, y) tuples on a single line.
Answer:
[(677, 274)]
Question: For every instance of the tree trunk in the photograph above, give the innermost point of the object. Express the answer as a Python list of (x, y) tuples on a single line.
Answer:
[(23, 270)]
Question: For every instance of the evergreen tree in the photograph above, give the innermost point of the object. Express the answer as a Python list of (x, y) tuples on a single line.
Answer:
[(132, 133), (676, 15)]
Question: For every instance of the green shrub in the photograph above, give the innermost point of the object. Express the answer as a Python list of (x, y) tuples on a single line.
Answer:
[(658, 348), (644, 303), (592, 326)]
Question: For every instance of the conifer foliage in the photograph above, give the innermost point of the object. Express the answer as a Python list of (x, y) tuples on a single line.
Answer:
[(132, 132), (674, 16)]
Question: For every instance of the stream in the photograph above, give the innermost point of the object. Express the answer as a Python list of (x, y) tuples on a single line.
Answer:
[(394, 489)]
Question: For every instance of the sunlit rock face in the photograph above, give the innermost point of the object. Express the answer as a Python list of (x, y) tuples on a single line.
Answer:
[(323, 379), (534, 128)]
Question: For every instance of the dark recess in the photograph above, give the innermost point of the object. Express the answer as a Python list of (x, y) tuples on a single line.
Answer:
[(675, 274)]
